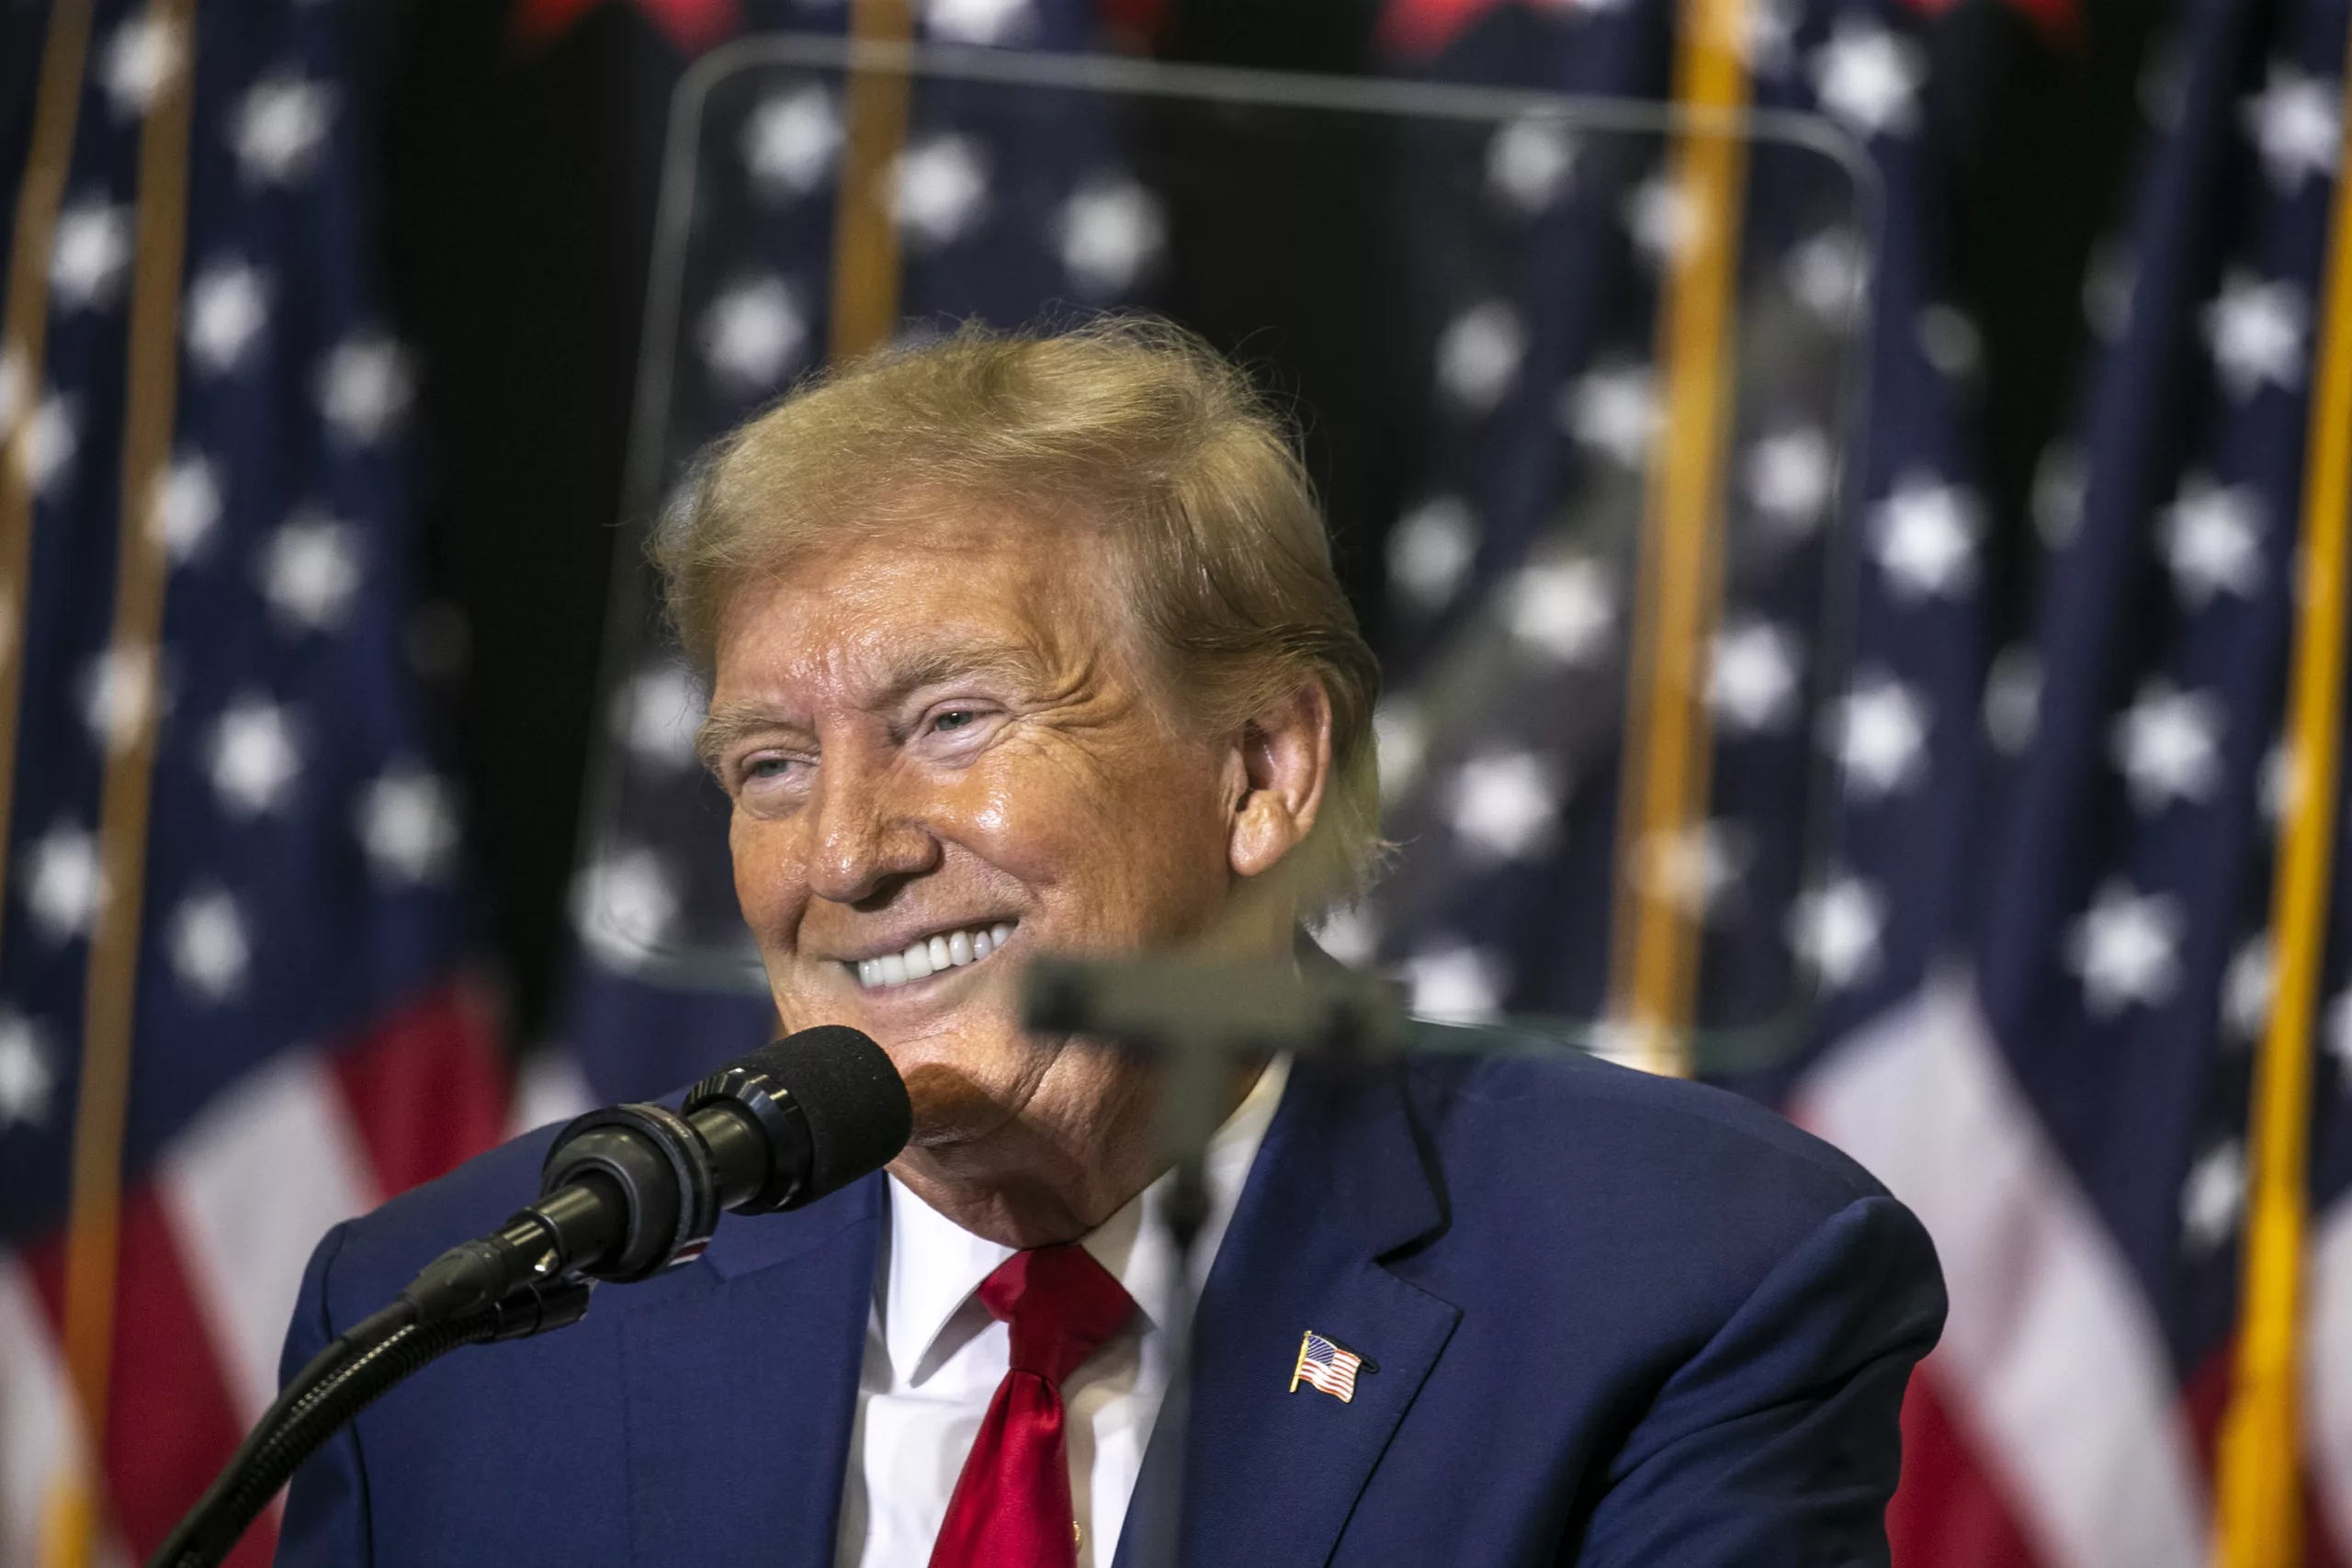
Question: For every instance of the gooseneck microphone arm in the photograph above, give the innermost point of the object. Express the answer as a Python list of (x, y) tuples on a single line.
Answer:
[(625, 1192)]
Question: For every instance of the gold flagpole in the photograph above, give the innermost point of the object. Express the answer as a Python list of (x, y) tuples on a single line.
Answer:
[(24, 348), (1662, 797), (865, 235), (130, 708), (2259, 1480)]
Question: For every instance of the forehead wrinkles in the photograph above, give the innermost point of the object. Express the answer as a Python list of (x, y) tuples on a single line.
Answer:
[(876, 618)]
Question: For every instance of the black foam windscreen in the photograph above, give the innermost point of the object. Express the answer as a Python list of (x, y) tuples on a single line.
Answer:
[(856, 1103)]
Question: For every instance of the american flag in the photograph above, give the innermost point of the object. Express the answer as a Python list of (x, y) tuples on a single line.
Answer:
[(1325, 1366), (2041, 935), (234, 947)]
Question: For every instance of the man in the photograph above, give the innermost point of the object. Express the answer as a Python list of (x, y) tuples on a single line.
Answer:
[(1032, 645)]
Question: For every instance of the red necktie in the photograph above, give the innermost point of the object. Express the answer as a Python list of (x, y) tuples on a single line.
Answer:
[(1012, 1507)]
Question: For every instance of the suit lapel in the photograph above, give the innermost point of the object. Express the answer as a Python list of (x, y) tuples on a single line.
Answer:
[(741, 1382), (1272, 1474)]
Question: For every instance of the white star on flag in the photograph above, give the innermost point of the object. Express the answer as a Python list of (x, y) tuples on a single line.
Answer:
[(2256, 332), (227, 305), (310, 571), (253, 757), (210, 948), (1752, 676), (1112, 230), (1565, 609), (2247, 986), (2212, 1197), (87, 256), (625, 904), (1663, 221), (1869, 78), (2168, 746), (1768, 34), (408, 824), (753, 334), (1834, 930), (189, 508), (1505, 806), (2126, 949), (1478, 355), (26, 1078), (2212, 539), (2277, 781), (1530, 162), (1829, 272), (365, 387), (1614, 408), (658, 715), (1924, 535), (2335, 1036), (64, 885), (1430, 549), (278, 128), (1879, 733), (55, 437), (792, 141), (118, 695), (1696, 868), (1399, 742), (2296, 123), (139, 56), (939, 189), (1456, 983), (977, 21), (1787, 477)]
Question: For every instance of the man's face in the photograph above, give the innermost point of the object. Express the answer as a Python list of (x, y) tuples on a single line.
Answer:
[(939, 744)]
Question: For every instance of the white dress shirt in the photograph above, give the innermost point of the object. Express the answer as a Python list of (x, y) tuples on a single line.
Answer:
[(934, 1356)]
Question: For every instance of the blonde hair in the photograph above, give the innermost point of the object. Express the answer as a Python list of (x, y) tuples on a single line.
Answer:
[(1132, 424)]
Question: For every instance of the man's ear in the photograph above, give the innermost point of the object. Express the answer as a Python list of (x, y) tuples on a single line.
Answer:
[(1282, 761)]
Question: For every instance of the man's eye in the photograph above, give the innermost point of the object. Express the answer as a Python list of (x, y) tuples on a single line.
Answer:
[(767, 767), (957, 719)]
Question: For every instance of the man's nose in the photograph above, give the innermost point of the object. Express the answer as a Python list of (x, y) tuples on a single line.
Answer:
[(867, 832)]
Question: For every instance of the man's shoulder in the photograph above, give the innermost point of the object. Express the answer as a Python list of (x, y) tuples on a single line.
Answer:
[(1601, 1159), (375, 1254)]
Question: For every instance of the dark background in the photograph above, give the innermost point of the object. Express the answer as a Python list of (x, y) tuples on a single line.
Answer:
[(517, 184)]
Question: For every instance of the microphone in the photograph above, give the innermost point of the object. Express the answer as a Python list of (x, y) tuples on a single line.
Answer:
[(632, 1189), (625, 1192)]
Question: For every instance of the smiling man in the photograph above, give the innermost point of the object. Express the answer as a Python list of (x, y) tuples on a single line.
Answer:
[(1033, 645)]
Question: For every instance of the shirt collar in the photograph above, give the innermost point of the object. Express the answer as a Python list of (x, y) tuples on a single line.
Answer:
[(933, 1266)]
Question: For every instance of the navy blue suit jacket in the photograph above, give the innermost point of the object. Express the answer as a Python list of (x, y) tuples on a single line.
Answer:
[(1615, 1320)]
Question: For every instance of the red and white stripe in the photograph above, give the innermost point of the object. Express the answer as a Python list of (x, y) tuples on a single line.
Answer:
[(214, 1242), (2048, 1429)]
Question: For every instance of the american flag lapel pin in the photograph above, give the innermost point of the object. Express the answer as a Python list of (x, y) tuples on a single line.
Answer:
[(1322, 1364)]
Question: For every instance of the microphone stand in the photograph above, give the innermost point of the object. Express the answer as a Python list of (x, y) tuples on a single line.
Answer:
[(1203, 1017), (361, 1366)]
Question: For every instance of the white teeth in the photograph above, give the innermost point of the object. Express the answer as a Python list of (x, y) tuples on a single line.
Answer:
[(933, 956)]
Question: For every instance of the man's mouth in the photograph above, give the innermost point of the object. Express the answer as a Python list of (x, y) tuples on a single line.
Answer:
[(930, 955)]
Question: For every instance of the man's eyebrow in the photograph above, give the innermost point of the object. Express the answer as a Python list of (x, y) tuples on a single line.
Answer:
[(731, 722)]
